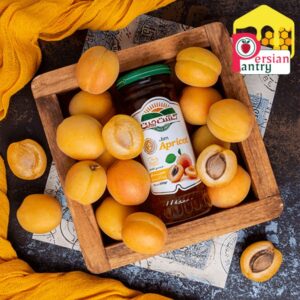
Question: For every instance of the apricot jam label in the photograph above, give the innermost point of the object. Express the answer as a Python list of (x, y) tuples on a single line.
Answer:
[(167, 153)]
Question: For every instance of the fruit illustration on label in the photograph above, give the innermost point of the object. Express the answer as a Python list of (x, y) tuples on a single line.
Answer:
[(245, 46), (184, 160), (175, 173)]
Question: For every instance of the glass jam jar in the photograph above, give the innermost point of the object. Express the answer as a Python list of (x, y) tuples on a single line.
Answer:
[(148, 95)]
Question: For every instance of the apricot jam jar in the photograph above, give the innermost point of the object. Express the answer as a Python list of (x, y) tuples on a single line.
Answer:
[(148, 94)]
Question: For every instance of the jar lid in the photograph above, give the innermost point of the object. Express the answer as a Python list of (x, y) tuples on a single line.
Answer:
[(141, 73)]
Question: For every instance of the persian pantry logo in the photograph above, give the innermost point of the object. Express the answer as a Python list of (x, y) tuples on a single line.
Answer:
[(249, 57)]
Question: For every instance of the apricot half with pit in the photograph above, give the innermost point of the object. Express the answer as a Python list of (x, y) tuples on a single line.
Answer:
[(232, 193), (123, 137), (260, 261), (85, 182), (97, 70), (195, 103), (197, 67), (203, 138), (80, 137), (216, 166), (144, 233), (230, 120), (128, 182), (27, 159), (175, 173)]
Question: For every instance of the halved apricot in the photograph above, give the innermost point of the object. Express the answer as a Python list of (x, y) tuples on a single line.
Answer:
[(27, 159), (123, 137), (216, 166)]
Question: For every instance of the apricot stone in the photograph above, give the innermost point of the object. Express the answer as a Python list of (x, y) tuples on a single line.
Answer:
[(195, 103), (203, 138), (197, 67), (96, 106), (80, 137), (232, 193), (128, 182), (110, 216), (85, 182), (97, 70), (144, 233), (27, 159), (230, 120)]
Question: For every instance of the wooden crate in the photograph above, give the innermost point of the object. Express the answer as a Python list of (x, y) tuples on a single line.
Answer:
[(267, 204)]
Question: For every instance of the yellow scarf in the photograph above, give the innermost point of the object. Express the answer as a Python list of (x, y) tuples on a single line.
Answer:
[(19, 281), (23, 22)]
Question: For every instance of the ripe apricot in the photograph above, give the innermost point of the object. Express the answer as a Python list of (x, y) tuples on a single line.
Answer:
[(80, 137), (39, 213), (216, 166), (85, 182), (144, 233), (96, 106), (110, 216), (105, 160), (260, 261), (123, 137), (230, 120), (195, 103), (97, 70), (128, 182), (27, 159), (3, 181), (232, 193), (203, 138), (198, 67)]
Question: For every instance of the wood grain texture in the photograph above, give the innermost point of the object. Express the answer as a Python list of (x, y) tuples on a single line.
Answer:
[(268, 204), (83, 216)]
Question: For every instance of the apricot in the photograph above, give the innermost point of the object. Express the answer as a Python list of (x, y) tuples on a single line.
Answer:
[(27, 159), (197, 67), (110, 216), (85, 182), (144, 233), (105, 160), (184, 160), (39, 213), (97, 70), (3, 180), (97, 106), (216, 166), (232, 193), (128, 182), (230, 120), (123, 137), (260, 261), (175, 173), (80, 137), (195, 103), (203, 138)]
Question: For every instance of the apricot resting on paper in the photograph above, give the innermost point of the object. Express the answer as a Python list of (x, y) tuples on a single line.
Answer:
[(26, 159), (106, 160), (195, 103), (260, 261), (232, 193), (144, 233), (97, 70), (197, 67), (216, 166), (110, 216), (123, 137), (80, 137), (39, 213), (128, 182), (85, 182), (230, 120), (99, 106), (203, 138)]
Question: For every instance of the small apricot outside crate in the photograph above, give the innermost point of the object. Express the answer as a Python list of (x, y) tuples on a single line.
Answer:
[(265, 205)]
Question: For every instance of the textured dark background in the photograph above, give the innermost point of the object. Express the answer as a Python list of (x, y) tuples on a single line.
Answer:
[(282, 141)]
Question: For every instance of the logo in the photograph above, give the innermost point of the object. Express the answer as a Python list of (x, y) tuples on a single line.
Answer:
[(158, 115), (270, 49)]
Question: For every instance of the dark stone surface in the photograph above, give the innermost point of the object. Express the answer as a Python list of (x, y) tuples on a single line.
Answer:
[(282, 141)]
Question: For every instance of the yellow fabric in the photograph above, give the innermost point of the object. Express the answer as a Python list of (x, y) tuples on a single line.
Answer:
[(23, 22), (19, 281)]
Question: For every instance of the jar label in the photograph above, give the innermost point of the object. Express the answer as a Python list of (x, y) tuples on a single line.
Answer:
[(167, 154)]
